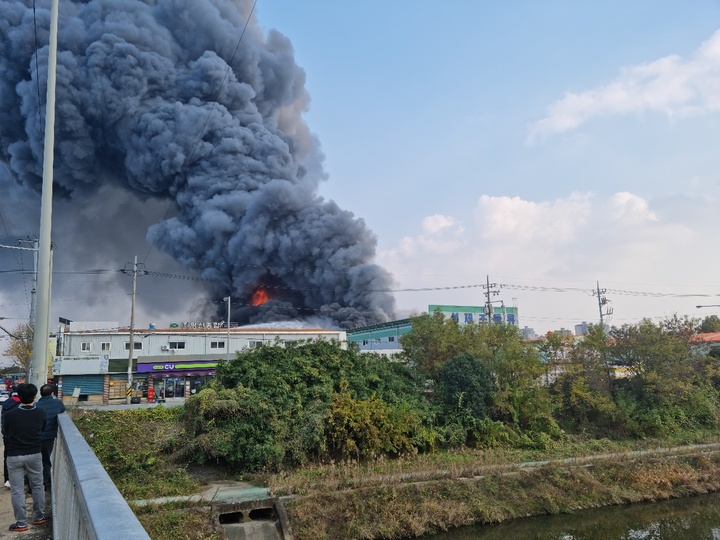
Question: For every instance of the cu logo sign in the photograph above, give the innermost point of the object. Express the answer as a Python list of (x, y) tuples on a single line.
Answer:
[(169, 366)]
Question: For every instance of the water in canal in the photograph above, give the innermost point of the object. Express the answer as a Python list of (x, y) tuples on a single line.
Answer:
[(693, 518)]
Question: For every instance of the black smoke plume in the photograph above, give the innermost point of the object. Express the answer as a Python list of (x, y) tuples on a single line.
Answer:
[(162, 107)]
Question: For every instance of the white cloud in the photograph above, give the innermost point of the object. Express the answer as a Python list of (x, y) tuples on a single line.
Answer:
[(669, 85), (437, 223), (623, 241), (629, 209), (440, 235), (526, 222)]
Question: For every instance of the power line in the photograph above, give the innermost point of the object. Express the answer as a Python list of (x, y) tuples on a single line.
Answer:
[(511, 286)]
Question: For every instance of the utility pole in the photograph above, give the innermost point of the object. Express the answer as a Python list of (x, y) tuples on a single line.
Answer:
[(491, 289), (38, 372), (128, 388), (33, 300), (227, 299), (602, 301)]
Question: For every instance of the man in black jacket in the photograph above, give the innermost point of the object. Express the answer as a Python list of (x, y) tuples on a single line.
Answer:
[(22, 429), (52, 407), (9, 404)]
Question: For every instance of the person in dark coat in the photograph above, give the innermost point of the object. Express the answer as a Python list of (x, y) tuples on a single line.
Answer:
[(52, 407), (22, 429), (9, 404)]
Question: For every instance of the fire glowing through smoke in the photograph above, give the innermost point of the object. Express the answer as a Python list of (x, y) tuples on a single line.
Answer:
[(259, 297)]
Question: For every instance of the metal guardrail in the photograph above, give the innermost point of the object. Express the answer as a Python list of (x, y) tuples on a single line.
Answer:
[(86, 503)]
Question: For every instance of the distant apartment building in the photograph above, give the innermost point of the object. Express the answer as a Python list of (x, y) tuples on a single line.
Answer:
[(582, 328), (529, 333)]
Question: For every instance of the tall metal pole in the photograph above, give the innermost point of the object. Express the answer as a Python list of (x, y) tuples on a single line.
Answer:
[(227, 299), (33, 298), (128, 389), (37, 374)]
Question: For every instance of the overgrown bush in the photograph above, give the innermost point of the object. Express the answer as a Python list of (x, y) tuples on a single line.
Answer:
[(465, 388), (273, 407)]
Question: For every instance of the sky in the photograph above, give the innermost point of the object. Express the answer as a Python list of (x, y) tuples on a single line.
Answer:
[(548, 147)]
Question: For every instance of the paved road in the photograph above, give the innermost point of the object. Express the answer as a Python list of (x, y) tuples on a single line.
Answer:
[(170, 402), (7, 518)]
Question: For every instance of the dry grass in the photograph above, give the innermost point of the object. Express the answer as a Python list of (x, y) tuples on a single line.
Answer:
[(178, 522), (400, 501)]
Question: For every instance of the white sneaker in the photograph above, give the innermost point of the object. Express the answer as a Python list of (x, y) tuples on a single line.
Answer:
[(7, 484)]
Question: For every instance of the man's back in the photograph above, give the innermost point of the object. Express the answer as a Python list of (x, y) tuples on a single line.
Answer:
[(22, 430), (52, 408)]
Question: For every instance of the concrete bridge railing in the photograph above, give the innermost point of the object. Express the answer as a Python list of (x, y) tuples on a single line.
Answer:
[(86, 503)]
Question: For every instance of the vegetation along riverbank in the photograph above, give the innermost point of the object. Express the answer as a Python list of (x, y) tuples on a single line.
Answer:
[(473, 425)]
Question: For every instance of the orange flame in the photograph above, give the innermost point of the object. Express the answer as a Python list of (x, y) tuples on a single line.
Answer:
[(259, 297)]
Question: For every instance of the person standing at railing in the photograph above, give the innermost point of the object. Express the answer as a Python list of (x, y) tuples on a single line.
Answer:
[(22, 429), (52, 407), (9, 404)]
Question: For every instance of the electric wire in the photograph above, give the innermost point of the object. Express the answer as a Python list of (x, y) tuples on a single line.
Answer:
[(510, 286)]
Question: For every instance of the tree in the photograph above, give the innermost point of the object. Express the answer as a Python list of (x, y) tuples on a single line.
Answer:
[(711, 323), (670, 389), (662, 349), (590, 355), (465, 385), (555, 350), (585, 388), (432, 342), (21, 346)]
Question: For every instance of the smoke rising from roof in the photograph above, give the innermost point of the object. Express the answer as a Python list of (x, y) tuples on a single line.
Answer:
[(147, 107)]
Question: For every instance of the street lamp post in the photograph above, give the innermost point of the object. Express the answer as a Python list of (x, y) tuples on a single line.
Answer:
[(227, 345)]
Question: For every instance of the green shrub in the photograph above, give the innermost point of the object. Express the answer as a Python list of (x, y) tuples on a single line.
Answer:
[(465, 387), (274, 407)]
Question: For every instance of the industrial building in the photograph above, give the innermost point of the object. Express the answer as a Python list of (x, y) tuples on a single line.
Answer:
[(384, 338)]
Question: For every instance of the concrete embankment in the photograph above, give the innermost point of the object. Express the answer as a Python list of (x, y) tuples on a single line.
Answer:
[(409, 505)]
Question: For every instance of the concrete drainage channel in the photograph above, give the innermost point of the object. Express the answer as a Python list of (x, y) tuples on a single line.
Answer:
[(259, 519), (241, 511)]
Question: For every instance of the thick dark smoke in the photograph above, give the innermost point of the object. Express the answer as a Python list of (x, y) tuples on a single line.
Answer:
[(146, 105)]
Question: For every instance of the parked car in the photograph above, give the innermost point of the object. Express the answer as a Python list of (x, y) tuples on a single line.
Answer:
[(4, 396)]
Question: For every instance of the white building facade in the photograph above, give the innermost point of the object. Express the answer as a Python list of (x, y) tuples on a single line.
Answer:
[(172, 362)]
